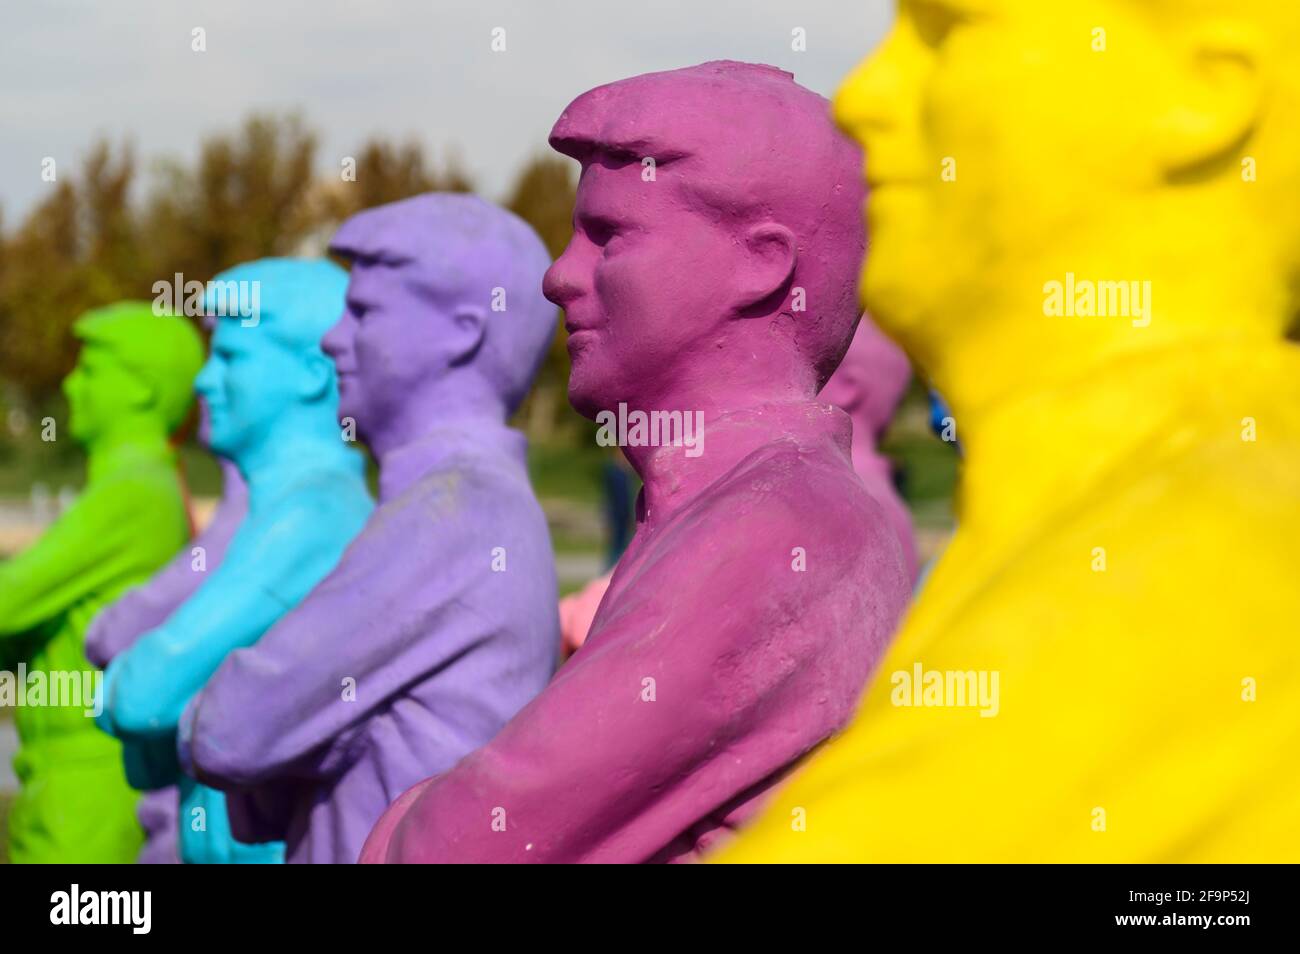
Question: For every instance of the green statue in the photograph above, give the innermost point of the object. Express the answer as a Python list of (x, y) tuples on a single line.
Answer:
[(131, 388)]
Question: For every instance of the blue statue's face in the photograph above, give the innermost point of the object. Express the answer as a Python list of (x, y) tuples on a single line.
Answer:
[(249, 379)]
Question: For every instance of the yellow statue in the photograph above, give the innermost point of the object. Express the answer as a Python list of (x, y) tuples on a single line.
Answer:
[(1085, 231)]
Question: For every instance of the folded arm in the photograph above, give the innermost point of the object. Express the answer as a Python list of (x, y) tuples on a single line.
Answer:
[(147, 606), (271, 565), (85, 549), (395, 611), (679, 702)]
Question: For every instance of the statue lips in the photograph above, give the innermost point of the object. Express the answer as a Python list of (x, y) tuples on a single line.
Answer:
[(216, 415), (576, 339), (350, 391), (579, 336), (893, 186), (882, 175)]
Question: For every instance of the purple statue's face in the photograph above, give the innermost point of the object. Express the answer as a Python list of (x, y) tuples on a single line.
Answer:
[(382, 345), (643, 282)]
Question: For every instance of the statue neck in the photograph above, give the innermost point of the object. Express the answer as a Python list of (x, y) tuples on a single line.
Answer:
[(122, 446), (454, 399), (291, 451), (672, 478), (403, 465)]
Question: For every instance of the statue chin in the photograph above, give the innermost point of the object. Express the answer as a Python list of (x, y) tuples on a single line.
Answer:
[(584, 400), (222, 442), (81, 433)]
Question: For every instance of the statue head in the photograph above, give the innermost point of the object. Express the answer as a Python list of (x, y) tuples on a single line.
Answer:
[(267, 378), (870, 382), (1011, 143), (715, 240), (444, 314), (135, 372)]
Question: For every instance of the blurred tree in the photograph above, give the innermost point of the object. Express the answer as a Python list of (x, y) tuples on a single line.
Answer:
[(76, 250), (379, 173), (246, 198), (385, 173), (250, 193), (543, 196), (110, 240)]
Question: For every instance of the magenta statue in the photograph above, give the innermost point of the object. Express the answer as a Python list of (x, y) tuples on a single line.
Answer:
[(146, 607), (868, 385), (439, 623), (709, 289)]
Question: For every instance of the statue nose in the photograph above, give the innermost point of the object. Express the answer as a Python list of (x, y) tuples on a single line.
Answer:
[(335, 341), (559, 286)]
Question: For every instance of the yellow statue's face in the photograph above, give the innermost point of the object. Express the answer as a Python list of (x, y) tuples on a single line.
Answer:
[(1006, 143)]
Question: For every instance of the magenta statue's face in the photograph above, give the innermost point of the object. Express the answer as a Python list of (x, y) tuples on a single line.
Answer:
[(643, 283), (382, 345), (716, 204)]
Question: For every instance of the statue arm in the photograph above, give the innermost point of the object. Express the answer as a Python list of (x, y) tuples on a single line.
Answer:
[(665, 716), (391, 614), (593, 731), (145, 607), (85, 549), (714, 667), (271, 566), (117, 626), (148, 685)]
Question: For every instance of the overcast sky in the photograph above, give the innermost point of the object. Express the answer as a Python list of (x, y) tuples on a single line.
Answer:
[(71, 70)]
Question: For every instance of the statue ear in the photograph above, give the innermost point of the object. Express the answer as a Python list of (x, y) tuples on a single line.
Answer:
[(140, 393), (1216, 100), (769, 266), (318, 375), (468, 328)]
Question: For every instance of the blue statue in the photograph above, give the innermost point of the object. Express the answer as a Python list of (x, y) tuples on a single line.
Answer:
[(272, 396)]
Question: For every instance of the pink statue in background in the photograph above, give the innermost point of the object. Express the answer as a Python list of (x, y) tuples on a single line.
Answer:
[(577, 610), (711, 274), (868, 386)]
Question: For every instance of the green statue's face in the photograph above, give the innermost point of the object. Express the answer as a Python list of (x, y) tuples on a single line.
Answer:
[(102, 393)]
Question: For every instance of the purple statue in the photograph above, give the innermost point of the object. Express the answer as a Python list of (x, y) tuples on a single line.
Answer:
[(709, 291), (868, 386), (146, 607), (439, 623)]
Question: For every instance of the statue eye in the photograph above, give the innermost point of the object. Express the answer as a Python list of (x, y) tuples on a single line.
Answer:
[(934, 21), (600, 231)]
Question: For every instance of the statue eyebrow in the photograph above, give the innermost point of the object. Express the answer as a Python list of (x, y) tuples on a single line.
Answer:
[(636, 150), (383, 257), (611, 150)]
